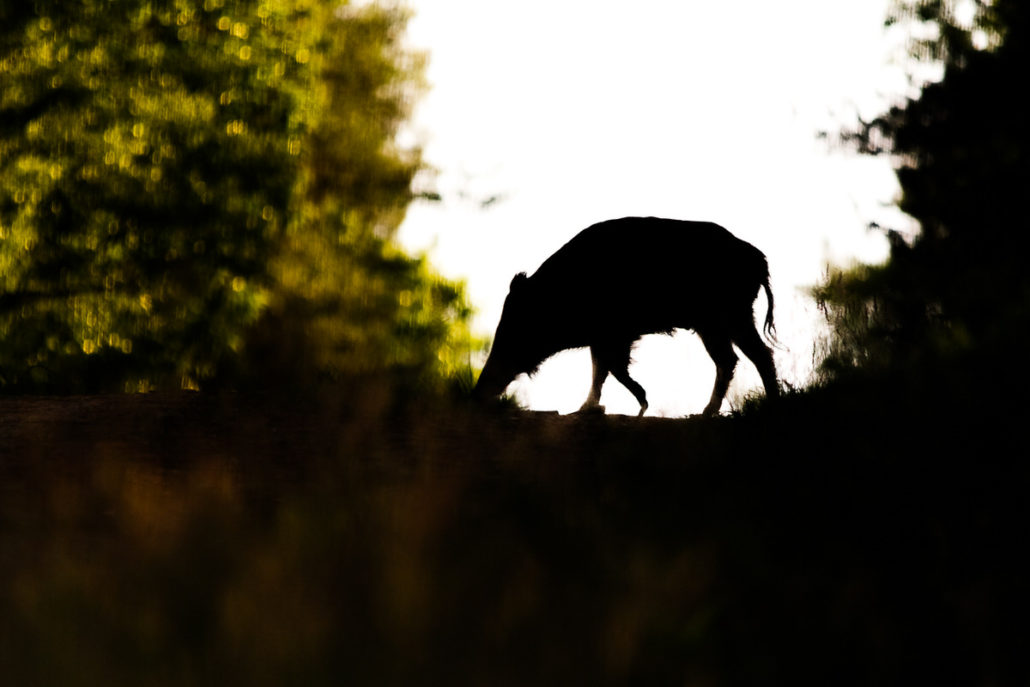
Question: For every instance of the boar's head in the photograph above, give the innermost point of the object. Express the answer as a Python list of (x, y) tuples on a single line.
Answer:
[(517, 346)]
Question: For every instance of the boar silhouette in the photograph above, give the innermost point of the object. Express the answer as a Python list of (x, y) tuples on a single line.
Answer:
[(621, 279)]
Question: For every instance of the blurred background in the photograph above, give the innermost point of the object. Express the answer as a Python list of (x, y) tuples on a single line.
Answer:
[(241, 194), (205, 194)]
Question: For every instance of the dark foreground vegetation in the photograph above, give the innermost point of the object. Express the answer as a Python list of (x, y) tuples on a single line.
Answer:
[(834, 538)]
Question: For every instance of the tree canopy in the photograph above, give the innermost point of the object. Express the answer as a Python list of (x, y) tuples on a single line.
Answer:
[(206, 190), (961, 152)]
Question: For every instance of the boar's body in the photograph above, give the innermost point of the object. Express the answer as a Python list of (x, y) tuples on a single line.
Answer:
[(619, 280)]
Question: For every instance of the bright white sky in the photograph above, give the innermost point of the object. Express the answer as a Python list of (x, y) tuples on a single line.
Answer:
[(576, 111)]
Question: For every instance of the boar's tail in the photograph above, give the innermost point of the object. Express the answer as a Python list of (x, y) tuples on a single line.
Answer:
[(770, 326)]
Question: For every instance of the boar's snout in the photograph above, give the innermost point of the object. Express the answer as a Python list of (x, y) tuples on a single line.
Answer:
[(507, 355), (492, 382)]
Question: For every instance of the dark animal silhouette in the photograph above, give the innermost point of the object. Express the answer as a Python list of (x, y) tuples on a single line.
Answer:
[(618, 280)]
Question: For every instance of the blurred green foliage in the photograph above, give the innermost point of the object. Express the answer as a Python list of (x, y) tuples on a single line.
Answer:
[(961, 288), (204, 192)]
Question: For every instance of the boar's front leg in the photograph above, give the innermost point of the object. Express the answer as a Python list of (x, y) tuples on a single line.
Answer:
[(614, 359), (593, 401)]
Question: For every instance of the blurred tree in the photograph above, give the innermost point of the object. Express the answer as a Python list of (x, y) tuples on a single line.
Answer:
[(961, 149), (180, 180), (365, 306)]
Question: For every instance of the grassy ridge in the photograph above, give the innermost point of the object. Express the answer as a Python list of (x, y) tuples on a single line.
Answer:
[(200, 539)]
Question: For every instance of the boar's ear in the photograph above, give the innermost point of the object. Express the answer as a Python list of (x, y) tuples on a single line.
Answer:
[(518, 282)]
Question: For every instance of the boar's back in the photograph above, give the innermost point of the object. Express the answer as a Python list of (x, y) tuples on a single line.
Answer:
[(651, 275)]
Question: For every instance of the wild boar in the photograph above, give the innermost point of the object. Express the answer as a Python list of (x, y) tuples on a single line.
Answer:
[(618, 280)]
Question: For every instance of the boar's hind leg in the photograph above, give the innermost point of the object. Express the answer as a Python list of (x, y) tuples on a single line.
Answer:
[(614, 359), (720, 348), (749, 341)]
